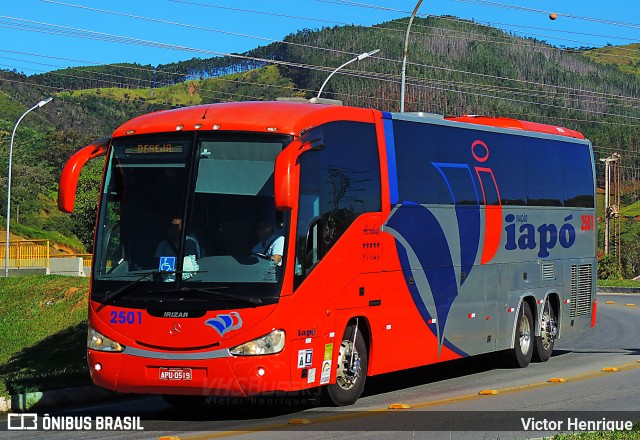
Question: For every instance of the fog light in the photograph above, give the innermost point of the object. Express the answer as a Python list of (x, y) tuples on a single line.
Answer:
[(261, 371), (97, 366)]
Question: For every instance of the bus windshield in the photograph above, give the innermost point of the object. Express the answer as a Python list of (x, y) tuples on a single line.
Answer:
[(197, 212)]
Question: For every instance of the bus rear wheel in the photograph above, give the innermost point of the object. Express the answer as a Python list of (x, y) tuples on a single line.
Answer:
[(548, 332), (351, 369), (522, 352)]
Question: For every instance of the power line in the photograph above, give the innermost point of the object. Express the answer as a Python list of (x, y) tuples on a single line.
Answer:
[(540, 11), (370, 6), (280, 41), (80, 33)]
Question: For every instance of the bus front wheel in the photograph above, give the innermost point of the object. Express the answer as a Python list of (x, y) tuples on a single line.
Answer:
[(351, 369), (521, 353)]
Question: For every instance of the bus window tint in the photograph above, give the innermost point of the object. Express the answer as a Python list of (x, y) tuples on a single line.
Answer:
[(528, 170), (338, 182), (544, 172), (578, 177)]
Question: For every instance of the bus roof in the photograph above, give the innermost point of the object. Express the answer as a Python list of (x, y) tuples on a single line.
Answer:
[(264, 116), (291, 118), (516, 124)]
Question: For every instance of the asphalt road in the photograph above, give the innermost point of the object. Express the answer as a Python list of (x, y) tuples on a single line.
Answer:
[(444, 399)]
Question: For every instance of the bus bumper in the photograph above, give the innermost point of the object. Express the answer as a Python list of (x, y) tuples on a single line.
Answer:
[(232, 376)]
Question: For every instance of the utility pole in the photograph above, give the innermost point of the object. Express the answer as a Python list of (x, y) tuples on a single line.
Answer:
[(612, 211)]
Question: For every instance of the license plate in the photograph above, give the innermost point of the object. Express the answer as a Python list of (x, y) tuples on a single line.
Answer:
[(175, 374)]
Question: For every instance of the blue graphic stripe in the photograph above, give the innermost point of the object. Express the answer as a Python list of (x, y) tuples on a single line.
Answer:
[(440, 165), (420, 228), (391, 158), (417, 299), (468, 216)]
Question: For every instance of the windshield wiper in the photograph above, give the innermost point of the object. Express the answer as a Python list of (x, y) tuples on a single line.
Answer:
[(127, 288), (111, 295), (212, 291)]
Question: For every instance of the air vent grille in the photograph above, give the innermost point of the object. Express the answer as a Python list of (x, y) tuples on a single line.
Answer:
[(580, 290), (548, 272)]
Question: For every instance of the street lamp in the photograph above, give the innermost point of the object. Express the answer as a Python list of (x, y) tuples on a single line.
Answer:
[(362, 56), (404, 56), (6, 256)]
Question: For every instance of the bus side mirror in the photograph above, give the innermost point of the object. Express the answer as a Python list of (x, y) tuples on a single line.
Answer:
[(71, 172), (286, 177)]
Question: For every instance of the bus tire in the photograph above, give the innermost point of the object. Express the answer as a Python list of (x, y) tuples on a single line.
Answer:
[(522, 352), (548, 330), (350, 375), (183, 401)]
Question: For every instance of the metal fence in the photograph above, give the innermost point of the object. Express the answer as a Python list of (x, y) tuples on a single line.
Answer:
[(25, 253), (34, 253)]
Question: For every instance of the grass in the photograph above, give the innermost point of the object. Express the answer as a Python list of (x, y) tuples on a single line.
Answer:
[(618, 283), (54, 237), (634, 434), (624, 57), (42, 333), (250, 84)]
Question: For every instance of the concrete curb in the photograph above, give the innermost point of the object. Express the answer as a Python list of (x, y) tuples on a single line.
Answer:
[(620, 290), (37, 401)]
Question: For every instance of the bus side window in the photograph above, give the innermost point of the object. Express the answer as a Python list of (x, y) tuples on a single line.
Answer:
[(308, 211), (339, 180)]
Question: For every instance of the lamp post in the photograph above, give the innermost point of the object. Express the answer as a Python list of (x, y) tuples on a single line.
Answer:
[(362, 56), (6, 256), (404, 56)]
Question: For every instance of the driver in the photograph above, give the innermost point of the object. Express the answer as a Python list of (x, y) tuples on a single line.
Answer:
[(270, 244), (169, 246)]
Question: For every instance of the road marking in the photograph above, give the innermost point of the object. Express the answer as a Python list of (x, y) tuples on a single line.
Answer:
[(613, 303), (488, 393), (399, 406), (299, 422), (429, 404)]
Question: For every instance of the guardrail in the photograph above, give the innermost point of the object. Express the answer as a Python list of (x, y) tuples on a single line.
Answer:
[(87, 259), (26, 253)]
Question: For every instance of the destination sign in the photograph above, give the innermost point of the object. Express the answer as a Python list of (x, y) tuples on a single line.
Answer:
[(154, 148)]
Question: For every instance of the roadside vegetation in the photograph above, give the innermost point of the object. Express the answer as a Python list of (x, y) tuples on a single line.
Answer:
[(42, 333), (634, 434)]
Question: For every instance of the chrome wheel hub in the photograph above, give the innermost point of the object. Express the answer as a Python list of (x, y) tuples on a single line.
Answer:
[(348, 370)]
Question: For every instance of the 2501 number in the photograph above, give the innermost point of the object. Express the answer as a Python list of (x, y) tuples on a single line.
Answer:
[(123, 317), (588, 223)]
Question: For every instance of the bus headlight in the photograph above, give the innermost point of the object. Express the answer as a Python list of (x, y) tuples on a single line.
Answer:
[(267, 344), (98, 341)]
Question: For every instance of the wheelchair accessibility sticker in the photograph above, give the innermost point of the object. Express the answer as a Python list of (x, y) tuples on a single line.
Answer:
[(167, 264)]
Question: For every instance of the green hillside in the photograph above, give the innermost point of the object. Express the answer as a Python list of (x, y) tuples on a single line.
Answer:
[(626, 58)]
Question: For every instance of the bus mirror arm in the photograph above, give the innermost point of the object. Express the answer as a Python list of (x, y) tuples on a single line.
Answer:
[(286, 178), (71, 172)]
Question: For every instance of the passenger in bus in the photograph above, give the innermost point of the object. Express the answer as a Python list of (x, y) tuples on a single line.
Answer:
[(270, 244)]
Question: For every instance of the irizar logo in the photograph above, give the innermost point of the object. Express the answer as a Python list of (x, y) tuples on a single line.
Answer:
[(543, 238), (224, 323)]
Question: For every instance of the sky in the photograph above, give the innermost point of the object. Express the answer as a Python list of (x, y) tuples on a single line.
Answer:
[(37, 36)]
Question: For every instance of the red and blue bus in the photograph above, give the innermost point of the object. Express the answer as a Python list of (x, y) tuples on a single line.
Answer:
[(406, 239)]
